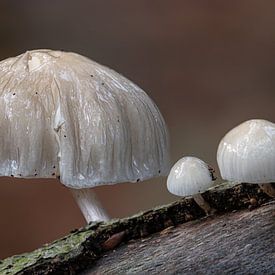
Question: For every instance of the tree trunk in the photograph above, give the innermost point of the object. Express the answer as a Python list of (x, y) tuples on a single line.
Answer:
[(235, 242)]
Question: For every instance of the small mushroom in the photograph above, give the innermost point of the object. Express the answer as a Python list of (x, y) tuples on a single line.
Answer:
[(191, 176), (247, 154), (63, 123)]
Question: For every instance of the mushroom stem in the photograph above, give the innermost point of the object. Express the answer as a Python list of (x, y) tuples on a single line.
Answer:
[(203, 204), (268, 188), (89, 205)]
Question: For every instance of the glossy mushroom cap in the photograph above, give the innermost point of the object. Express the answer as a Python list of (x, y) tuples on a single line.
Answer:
[(64, 114), (247, 152), (189, 176)]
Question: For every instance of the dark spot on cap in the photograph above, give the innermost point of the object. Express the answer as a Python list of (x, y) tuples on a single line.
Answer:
[(53, 174), (138, 180), (92, 75), (118, 120), (53, 166), (12, 175), (13, 94), (212, 171), (35, 174), (65, 136), (159, 171), (20, 175), (36, 93), (102, 83)]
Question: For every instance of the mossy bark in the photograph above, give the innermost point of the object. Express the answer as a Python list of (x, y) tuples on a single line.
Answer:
[(81, 249)]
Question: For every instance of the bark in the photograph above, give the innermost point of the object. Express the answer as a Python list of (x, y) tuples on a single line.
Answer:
[(237, 243), (219, 241)]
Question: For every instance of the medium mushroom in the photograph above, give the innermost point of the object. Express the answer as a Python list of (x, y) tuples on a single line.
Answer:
[(191, 176), (247, 154), (63, 115)]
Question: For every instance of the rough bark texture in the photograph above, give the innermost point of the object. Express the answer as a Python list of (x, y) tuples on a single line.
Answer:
[(80, 250), (235, 243)]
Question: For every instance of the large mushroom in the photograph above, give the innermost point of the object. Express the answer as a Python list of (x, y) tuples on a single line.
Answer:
[(63, 115), (247, 154)]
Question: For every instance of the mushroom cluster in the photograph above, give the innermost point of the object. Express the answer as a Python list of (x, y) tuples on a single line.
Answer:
[(65, 116), (245, 154)]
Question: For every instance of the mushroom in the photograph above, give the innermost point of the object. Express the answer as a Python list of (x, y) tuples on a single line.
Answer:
[(191, 176), (65, 116), (247, 154)]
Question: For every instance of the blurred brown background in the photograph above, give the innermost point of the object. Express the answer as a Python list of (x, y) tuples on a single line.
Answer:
[(208, 65)]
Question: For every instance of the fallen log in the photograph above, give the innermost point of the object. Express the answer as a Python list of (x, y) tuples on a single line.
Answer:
[(82, 250)]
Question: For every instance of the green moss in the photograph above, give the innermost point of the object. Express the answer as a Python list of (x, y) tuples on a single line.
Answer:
[(60, 247)]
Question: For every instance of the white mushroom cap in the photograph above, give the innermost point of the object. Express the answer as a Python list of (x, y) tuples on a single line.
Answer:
[(64, 114), (189, 176), (247, 152)]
